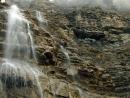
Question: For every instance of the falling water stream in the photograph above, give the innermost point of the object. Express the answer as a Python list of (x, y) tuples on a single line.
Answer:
[(66, 55), (16, 70), (41, 19), (2, 1), (70, 71)]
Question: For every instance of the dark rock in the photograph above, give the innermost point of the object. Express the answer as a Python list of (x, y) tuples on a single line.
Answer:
[(11, 81), (3, 5), (102, 65), (86, 73), (82, 34), (47, 58), (117, 30)]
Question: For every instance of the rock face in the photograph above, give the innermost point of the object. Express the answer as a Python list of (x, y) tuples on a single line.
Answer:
[(97, 43)]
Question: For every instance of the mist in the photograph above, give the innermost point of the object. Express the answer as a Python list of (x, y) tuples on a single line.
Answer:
[(123, 5), (20, 3)]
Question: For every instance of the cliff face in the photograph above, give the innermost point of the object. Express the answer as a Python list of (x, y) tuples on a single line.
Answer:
[(83, 52)]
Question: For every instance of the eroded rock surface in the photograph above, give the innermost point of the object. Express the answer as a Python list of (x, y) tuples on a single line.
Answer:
[(97, 43)]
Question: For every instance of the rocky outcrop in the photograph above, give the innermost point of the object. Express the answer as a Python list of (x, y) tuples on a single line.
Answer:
[(99, 37), (82, 34), (97, 43)]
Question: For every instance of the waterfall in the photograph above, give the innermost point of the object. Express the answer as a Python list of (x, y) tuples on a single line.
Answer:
[(2, 1), (17, 70), (31, 42), (66, 55), (39, 16), (70, 69), (41, 19), (17, 39)]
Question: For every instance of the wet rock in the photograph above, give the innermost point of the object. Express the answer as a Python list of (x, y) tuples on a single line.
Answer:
[(75, 60), (125, 38), (91, 60), (88, 73), (82, 34), (98, 48), (2, 33), (47, 58), (120, 79), (3, 5), (11, 81)]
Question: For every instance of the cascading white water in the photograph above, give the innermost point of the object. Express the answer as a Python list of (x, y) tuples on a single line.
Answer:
[(70, 69), (2, 1), (31, 42), (66, 55), (19, 50), (17, 38), (41, 19), (39, 16)]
